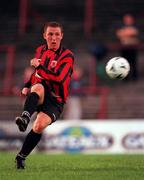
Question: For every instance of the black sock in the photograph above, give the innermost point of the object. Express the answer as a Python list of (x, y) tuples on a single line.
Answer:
[(30, 104), (30, 142)]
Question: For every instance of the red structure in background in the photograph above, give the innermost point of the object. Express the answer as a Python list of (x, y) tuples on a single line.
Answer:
[(23, 17), (89, 17), (102, 113), (8, 76)]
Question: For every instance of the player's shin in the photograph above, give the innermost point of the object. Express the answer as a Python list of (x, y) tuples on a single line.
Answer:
[(30, 142), (30, 104), (30, 107)]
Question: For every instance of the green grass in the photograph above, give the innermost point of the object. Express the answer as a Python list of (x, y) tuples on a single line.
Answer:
[(43, 166)]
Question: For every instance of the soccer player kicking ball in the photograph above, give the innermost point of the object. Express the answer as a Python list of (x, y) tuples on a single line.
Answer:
[(47, 89)]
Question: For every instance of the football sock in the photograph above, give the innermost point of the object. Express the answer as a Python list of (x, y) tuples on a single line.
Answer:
[(30, 142), (30, 104)]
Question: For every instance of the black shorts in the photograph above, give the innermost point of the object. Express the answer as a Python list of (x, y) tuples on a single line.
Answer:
[(50, 106)]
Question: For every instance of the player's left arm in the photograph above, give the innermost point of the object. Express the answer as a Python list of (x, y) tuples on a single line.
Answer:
[(65, 69)]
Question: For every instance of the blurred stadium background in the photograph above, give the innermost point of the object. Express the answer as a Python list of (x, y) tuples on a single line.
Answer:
[(106, 116)]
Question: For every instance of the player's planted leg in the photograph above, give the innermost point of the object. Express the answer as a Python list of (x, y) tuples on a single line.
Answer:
[(20, 162), (30, 142)]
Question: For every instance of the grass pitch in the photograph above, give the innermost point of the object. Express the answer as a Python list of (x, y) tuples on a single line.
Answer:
[(43, 166)]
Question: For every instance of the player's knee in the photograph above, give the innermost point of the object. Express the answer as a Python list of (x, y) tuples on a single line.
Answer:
[(38, 128), (38, 88)]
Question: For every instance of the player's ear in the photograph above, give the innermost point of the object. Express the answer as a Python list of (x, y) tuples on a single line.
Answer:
[(62, 36), (44, 35)]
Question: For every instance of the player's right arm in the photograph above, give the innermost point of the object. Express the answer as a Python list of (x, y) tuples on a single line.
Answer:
[(27, 85), (33, 78), (25, 91)]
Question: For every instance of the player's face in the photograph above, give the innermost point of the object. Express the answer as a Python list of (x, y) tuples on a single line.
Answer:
[(53, 37)]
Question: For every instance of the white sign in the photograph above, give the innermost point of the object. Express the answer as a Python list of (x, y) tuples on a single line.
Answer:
[(92, 136)]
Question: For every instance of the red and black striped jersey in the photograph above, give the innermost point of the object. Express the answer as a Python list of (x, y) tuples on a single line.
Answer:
[(55, 69)]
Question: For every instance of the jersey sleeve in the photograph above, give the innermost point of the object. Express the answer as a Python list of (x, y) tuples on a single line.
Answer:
[(38, 54), (28, 83), (39, 51), (64, 70)]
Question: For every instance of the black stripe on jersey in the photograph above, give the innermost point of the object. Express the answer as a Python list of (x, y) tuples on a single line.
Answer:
[(61, 92), (46, 62), (56, 58), (52, 86)]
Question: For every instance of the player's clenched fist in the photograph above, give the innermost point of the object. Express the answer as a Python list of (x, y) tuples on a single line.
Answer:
[(35, 62), (25, 91)]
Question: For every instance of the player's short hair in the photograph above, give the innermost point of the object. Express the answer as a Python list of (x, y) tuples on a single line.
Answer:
[(53, 24)]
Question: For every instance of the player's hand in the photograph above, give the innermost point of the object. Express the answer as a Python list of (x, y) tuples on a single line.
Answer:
[(25, 91), (35, 62)]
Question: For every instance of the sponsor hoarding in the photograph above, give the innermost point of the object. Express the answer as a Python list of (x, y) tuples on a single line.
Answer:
[(89, 136)]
